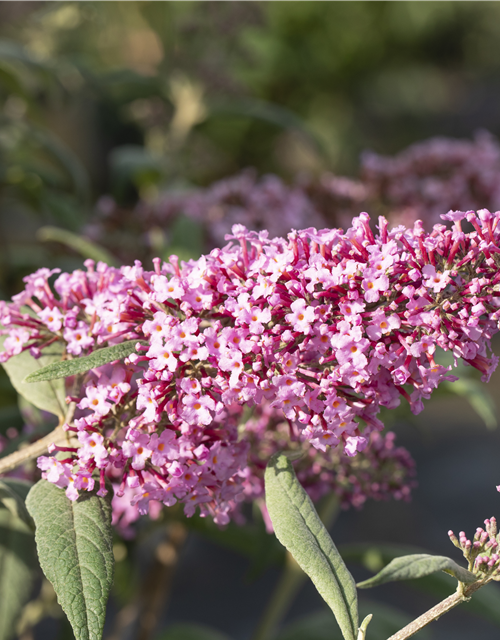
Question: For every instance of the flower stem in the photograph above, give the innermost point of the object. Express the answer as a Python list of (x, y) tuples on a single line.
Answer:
[(461, 595), (291, 580)]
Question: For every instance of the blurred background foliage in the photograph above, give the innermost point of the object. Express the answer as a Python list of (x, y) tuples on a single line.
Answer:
[(131, 98), (112, 104)]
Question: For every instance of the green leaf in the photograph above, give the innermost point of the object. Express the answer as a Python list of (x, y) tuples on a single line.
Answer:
[(13, 494), (440, 585), (84, 247), (66, 368), (75, 547), (299, 528), (48, 396), (17, 561), (416, 566), (191, 632)]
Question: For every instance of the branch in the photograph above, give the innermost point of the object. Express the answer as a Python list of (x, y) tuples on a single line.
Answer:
[(436, 612)]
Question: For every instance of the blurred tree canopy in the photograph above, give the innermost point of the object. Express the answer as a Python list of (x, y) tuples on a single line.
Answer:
[(132, 98)]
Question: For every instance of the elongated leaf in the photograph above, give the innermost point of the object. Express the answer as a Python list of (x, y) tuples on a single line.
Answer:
[(81, 365), (299, 528), (416, 566), (49, 396), (74, 544), (17, 561), (440, 585), (85, 247), (185, 631), (13, 494)]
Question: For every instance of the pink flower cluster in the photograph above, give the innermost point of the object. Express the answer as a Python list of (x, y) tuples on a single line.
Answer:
[(482, 553), (326, 326)]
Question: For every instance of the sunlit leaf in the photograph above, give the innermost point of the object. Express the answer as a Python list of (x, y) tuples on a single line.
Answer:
[(484, 603), (66, 368)]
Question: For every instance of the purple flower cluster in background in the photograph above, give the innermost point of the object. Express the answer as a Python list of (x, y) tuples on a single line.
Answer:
[(381, 471), (324, 328), (420, 183), (433, 176)]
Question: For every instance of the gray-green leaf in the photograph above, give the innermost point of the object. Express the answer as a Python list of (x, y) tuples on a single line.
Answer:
[(17, 561), (13, 494), (86, 363), (48, 396), (417, 566), (299, 528), (74, 544)]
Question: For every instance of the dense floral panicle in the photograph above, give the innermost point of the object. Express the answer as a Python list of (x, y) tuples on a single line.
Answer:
[(326, 326)]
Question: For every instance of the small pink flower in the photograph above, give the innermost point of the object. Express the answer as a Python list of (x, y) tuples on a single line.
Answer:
[(301, 317), (435, 280), (52, 317), (96, 400), (136, 446), (78, 339)]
